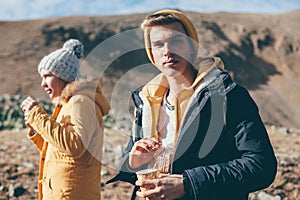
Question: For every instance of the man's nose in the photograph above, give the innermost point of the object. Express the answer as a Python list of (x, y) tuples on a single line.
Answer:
[(167, 49)]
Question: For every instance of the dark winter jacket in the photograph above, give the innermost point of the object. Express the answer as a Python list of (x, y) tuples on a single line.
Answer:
[(223, 150)]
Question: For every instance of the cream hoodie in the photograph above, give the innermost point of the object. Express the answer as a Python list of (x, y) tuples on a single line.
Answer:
[(152, 95)]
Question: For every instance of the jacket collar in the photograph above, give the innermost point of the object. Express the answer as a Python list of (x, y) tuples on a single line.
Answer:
[(157, 87), (154, 92), (92, 89)]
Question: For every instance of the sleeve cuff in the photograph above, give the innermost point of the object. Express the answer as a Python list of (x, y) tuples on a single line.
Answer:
[(186, 185), (31, 134)]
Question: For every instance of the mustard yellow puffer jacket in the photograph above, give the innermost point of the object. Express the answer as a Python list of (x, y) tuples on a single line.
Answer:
[(71, 144)]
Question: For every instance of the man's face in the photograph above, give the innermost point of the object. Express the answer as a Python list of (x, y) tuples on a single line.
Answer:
[(170, 48)]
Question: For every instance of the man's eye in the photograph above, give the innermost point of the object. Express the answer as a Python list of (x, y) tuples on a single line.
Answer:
[(157, 44), (176, 41)]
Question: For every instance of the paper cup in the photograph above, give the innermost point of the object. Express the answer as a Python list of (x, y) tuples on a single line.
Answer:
[(147, 174)]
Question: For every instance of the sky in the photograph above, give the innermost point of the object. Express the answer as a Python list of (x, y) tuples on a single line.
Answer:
[(36, 9)]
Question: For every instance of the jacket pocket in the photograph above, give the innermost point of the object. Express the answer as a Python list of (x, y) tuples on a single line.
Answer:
[(49, 184), (58, 182), (55, 193)]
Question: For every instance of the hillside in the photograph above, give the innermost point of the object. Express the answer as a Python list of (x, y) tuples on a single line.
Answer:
[(262, 52)]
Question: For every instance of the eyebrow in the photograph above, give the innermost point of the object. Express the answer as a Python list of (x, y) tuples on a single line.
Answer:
[(178, 36), (46, 74), (171, 38)]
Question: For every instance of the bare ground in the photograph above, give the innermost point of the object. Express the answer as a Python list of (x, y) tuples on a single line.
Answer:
[(19, 166)]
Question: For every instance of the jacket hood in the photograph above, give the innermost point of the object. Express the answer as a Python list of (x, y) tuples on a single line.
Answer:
[(92, 89)]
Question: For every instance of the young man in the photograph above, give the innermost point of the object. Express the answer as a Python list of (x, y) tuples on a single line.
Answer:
[(70, 141), (221, 149)]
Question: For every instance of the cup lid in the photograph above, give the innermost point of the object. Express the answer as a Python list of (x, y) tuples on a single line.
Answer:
[(146, 171)]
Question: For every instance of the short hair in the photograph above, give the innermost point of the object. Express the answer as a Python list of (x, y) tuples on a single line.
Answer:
[(161, 19), (166, 17)]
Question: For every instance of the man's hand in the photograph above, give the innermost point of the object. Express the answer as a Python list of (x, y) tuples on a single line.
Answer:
[(143, 151), (168, 187)]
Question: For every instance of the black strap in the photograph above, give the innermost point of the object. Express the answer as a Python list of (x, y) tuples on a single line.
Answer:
[(135, 189)]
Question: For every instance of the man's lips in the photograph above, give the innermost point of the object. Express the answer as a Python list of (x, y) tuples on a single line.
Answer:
[(170, 62)]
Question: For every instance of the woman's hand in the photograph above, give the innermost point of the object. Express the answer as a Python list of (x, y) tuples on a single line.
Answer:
[(27, 105), (143, 151), (168, 187)]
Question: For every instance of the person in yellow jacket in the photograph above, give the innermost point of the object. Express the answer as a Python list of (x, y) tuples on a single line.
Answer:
[(70, 141)]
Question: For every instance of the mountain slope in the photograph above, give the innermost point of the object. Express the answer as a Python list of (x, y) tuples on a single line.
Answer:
[(262, 52)]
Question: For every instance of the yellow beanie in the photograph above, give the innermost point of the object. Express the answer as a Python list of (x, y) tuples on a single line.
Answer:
[(188, 25)]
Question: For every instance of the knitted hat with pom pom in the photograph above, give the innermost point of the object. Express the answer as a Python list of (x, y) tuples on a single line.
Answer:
[(64, 62)]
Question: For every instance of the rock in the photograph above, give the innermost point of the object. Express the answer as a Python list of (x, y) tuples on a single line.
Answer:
[(104, 172), (3, 148), (11, 190), (28, 165), (289, 187), (16, 191), (264, 196), (284, 130)]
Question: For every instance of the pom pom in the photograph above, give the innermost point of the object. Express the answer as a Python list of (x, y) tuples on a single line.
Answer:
[(74, 46)]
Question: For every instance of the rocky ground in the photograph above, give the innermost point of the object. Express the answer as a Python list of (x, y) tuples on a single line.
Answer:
[(19, 166)]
